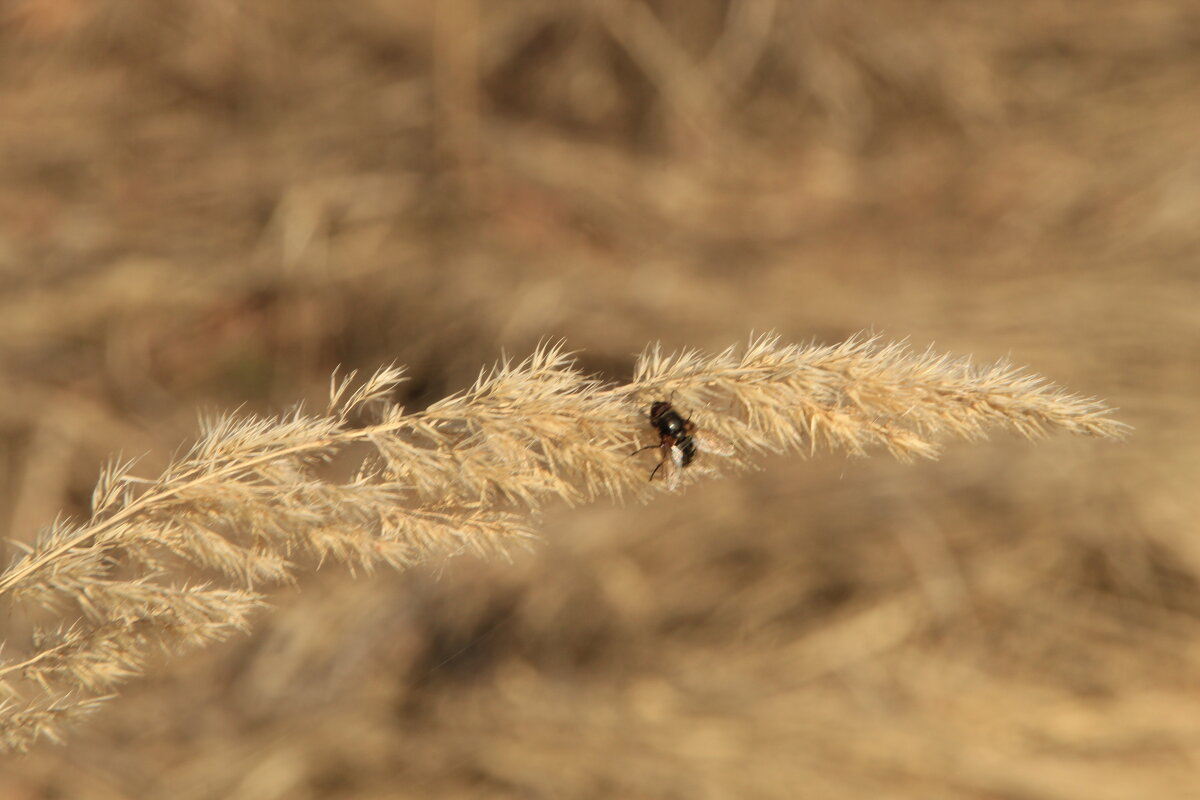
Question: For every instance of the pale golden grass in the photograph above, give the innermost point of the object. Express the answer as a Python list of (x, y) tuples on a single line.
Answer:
[(253, 500)]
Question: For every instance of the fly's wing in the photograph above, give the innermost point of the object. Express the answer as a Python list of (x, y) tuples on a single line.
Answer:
[(712, 443), (672, 466)]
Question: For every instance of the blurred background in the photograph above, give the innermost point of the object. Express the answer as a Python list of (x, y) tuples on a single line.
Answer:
[(207, 204)]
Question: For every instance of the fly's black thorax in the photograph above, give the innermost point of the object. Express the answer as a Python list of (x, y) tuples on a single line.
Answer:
[(673, 427), (667, 420)]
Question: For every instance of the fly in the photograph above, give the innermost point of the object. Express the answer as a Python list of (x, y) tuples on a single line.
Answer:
[(680, 441)]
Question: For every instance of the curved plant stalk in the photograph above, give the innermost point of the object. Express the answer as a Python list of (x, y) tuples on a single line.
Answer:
[(250, 500)]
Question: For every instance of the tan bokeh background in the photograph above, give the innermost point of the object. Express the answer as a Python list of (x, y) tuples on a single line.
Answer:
[(207, 204)]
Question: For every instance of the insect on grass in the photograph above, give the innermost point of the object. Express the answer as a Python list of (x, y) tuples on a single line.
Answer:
[(468, 472), (680, 440)]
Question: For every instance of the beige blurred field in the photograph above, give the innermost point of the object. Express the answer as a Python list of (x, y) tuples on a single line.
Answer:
[(207, 204)]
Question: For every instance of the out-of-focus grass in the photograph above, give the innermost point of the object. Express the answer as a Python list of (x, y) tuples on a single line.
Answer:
[(197, 186)]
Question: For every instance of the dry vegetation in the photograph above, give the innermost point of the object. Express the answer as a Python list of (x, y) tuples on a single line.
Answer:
[(208, 205), (462, 474)]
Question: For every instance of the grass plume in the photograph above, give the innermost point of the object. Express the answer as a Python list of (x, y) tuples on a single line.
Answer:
[(249, 503)]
